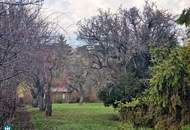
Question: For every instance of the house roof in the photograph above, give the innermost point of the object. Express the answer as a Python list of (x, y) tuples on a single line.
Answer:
[(60, 90)]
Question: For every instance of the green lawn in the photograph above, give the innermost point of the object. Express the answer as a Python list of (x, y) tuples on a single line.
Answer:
[(93, 116)]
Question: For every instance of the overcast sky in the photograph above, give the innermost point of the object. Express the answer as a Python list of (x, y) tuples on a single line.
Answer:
[(67, 12)]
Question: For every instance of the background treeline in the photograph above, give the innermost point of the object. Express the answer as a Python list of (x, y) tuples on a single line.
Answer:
[(145, 67), (120, 48), (132, 58)]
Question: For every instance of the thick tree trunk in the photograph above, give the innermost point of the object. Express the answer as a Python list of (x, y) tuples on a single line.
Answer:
[(35, 97), (37, 94), (48, 106), (81, 99), (82, 94), (41, 103), (48, 101), (35, 102)]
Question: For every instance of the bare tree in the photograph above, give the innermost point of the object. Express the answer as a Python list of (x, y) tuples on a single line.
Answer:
[(115, 39), (21, 32)]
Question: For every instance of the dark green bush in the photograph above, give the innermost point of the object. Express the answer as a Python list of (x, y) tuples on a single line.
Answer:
[(129, 87)]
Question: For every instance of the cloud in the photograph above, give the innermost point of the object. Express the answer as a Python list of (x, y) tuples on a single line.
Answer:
[(68, 12)]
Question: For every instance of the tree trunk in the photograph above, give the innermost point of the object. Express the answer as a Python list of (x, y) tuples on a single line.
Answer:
[(48, 101), (36, 93), (49, 106), (41, 102), (81, 99), (35, 102), (82, 94), (34, 97)]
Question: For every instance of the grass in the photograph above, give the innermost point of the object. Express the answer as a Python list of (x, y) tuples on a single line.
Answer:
[(187, 127), (92, 116)]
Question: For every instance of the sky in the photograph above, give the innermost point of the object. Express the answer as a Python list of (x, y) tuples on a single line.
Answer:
[(66, 13)]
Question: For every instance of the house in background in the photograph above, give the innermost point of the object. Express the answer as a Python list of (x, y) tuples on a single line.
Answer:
[(61, 93), (64, 95)]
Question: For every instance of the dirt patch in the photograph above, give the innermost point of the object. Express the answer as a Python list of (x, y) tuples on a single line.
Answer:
[(23, 120)]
